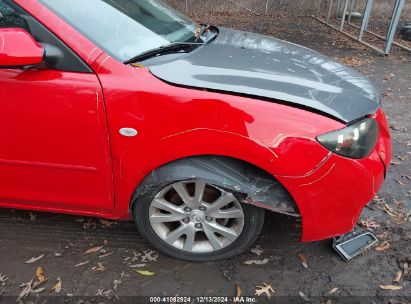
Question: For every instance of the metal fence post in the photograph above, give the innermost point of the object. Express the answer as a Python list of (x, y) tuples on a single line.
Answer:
[(355, 4), (343, 15), (365, 18), (349, 12), (319, 8), (389, 39), (329, 11), (393, 26), (337, 9)]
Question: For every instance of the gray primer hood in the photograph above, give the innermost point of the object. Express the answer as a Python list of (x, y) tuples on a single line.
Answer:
[(260, 66)]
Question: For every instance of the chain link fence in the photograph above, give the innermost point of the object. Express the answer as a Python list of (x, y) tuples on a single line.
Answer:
[(382, 8), (257, 7)]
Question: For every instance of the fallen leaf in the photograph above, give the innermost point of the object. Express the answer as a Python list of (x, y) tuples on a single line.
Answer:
[(137, 65), (149, 256), (99, 267), (369, 224), (397, 215), (238, 293), (378, 200), (105, 255), (26, 291), (138, 265), (106, 223), (266, 289), (398, 202), (256, 262), (257, 251), (304, 297), (402, 158), (406, 268), (145, 272), (389, 210), (90, 224), (105, 294), (397, 277), (400, 182), (3, 279), (303, 260), (40, 274), (332, 291), (34, 259), (57, 287), (82, 263), (383, 246), (93, 249), (38, 283), (390, 287), (136, 256), (38, 290), (29, 288), (383, 235), (116, 284)]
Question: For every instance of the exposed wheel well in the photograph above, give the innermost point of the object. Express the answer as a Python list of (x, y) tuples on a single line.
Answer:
[(251, 184)]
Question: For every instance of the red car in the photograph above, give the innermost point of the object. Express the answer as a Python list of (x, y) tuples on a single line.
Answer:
[(127, 110)]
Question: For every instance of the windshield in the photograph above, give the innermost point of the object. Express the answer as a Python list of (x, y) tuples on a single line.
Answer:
[(125, 28)]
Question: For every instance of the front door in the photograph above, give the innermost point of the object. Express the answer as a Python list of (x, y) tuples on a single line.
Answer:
[(54, 145)]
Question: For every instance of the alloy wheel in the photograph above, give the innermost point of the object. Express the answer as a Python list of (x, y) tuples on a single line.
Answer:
[(194, 216)]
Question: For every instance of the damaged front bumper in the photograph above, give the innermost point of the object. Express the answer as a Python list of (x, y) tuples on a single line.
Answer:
[(331, 198)]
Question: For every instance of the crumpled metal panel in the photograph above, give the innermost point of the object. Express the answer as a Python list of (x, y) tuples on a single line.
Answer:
[(256, 65), (250, 184)]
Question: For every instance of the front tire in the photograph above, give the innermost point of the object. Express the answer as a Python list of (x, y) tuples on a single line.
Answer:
[(196, 221)]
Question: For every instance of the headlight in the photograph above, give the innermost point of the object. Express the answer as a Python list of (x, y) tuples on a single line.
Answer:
[(354, 141)]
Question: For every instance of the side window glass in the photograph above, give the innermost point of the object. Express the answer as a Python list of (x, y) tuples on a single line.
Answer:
[(10, 18)]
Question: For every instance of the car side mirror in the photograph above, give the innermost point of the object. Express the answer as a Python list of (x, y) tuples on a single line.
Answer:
[(18, 49)]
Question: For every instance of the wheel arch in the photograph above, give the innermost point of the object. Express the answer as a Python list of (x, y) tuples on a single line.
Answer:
[(250, 183)]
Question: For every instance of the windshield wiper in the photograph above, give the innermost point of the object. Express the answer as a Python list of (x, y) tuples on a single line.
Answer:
[(162, 49)]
